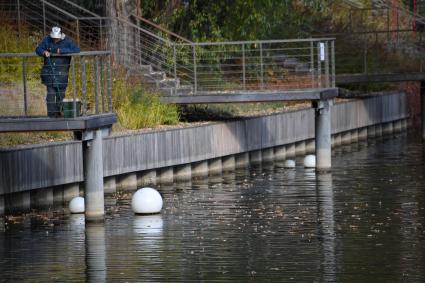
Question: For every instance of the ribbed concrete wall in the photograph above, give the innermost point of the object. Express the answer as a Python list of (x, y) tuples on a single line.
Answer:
[(52, 165)]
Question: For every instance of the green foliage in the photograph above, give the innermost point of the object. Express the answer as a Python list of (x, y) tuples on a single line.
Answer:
[(142, 109)]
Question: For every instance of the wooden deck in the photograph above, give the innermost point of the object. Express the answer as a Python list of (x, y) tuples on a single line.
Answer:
[(33, 124), (370, 78), (246, 97)]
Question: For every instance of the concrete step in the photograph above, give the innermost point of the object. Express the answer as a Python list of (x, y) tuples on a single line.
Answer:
[(157, 76), (168, 83), (146, 69)]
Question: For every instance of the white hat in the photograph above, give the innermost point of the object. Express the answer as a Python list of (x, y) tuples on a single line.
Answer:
[(56, 33)]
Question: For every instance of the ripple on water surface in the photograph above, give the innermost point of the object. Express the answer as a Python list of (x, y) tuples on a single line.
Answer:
[(363, 222)]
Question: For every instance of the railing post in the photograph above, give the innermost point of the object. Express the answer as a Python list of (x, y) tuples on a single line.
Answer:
[(44, 18), (175, 63), (312, 63), (365, 57), (261, 66), (319, 64), (83, 84), (24, 80), (109, 83), (333, 63), (327, 63), (102, 84), (74, 88), (243, 67), (194, 69), (101, 33), (96, 84), (19, 17), (78, 31)]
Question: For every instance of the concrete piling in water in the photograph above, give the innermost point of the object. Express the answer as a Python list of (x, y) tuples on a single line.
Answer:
[(147, 177), (42, 199), (128, 182), (93, 173), (310, 146), (228, 163), (397, 126), (166, 175), (323, 134), (110, 185), (387, 129), (183, 173), (300, 148), (267, 155), (362, 134), (354, 136), (290, 150), (242, 160), (378, 131), (18, 202), (280, 152), (215, 166), (371, 131), (70, 191), (255, 157), (1, 205), (346, 138), (338, 140), (200, 169)]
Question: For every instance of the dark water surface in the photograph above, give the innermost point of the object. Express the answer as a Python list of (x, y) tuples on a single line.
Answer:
[(363, 222)]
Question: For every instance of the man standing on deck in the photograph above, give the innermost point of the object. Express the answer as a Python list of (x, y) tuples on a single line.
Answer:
[(54, 74)]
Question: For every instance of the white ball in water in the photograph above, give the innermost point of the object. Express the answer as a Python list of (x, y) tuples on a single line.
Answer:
[(310, 161), (289, 163), (146, 201), (76, 205)]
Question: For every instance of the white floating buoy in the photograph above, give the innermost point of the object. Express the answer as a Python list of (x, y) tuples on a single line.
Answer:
[(289, 163), (76, 205), (146, 201), (310, 161)]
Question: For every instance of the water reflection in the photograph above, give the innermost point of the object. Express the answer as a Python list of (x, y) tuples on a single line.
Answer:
[(95, 252)]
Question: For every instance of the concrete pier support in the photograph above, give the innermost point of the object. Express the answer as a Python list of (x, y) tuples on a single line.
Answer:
[(280, 152), (362, 134), (215, 166), (338, 140), (346, 137), (267, 155), (300, 148), (128, 182), (200, 169), (18, 202), (371, 131), (242, 160), (404, 124), (378, 131), (1, 205), (255, 157), (228, 163), (387, 129), (70, 191), (290, 150), (110, 185), (354, 134), (323, 134), (146, 178), (166, 175), (93, 175), (397, 126), (42, 198), (183, 173), (310, 146)]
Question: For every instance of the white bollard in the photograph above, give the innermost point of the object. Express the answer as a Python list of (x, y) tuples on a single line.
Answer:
[(146, 201), (310, 161), (76, 205)]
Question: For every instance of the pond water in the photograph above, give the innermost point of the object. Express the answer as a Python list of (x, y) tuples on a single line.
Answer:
[(363, 222)]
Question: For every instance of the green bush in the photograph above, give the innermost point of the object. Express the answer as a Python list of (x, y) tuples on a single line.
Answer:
[(142, 109)]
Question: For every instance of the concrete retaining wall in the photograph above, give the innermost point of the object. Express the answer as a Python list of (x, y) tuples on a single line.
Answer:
[(35, 167)]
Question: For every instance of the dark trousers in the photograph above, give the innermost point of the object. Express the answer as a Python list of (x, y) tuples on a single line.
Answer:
[(54, 99)]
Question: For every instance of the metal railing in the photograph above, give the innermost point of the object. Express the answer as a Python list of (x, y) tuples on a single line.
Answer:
[(24, 95), (256, 65)]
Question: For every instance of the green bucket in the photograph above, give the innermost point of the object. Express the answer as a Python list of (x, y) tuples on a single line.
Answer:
[(68, 108)]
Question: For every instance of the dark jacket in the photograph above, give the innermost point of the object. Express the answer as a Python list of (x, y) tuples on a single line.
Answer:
[(55, 72)]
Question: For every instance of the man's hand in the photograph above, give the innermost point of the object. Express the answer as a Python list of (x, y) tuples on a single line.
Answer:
[(46, 53)]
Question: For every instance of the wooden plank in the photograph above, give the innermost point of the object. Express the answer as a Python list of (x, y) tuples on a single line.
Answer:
[(368, 78), (247, 97), (31, 124)]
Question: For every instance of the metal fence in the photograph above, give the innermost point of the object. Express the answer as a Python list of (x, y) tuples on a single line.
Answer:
[(23, 94)]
